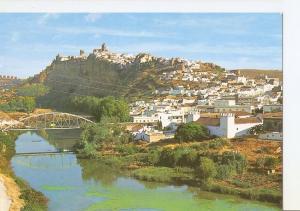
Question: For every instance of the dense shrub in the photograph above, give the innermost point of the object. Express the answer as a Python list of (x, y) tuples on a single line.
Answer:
[(33, 90), (107, 107), (23, 104), (268, 162), (224, 171), (191, 132), (235, 160), (206, 169), (167, 158), (218, 143), (127, 149), (153, 157)]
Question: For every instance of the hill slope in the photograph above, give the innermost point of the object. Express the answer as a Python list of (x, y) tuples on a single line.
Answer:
[(103, 73)]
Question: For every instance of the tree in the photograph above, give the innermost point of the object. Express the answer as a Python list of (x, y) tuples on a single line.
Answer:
[(258, 129), (33, 90), (206, 169), (266, 162), (102, 108), (271, 162), (191, 132), (29, 104), (237, 161)]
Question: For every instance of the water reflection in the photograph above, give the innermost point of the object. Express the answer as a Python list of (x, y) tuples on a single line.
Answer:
[(74, 184)]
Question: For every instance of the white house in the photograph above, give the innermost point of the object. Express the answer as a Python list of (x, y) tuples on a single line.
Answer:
[(227, 125), (145, 119), (230, 106)]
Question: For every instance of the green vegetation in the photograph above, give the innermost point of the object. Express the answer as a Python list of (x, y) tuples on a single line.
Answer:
[(25, 100), (247, 193), (203, 163), (100, 108), (161, 174), (258, 129), (266, 162), (32, 90), (206, 169), (34, 200), (103, 136), (191, 132), (24, 104)]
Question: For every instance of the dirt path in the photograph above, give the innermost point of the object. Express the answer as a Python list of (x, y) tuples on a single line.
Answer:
[(4, 199), (9, 194)]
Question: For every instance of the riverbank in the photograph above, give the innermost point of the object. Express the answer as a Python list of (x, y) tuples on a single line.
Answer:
[(187, 177), (11, 194), (237, 167), (18, 195)]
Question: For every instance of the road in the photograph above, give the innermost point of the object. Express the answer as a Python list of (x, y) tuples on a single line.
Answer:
[(4, 199)]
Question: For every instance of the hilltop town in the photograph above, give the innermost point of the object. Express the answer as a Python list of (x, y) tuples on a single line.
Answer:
[(162, 119), (170, 91)]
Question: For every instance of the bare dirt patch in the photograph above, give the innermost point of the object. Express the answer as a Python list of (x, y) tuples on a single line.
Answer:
[(13, 192)]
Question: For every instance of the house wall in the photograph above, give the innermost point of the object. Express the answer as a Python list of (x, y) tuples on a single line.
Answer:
[(144, 119), (233, 108), (154, 137), (271, 136), (229, 129), (243, 129), (214, 130)]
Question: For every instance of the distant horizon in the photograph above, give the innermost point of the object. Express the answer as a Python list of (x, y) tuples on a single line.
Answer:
[(29, 42)]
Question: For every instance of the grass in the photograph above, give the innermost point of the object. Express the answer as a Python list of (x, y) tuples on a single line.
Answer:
[(162, 174), (266, 195)]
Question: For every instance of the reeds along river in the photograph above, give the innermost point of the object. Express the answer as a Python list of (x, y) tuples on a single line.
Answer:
[(73, 184)]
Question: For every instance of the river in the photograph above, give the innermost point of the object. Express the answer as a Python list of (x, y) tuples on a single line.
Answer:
[(73, 184)]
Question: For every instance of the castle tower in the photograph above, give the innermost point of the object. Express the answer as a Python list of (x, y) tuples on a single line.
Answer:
[(227, 124), (103, 47), (81, 52)]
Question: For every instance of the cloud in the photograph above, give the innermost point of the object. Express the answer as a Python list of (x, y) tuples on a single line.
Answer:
[(230, 56), (202, 48), (92, 17), (46, 17), (97, 31)]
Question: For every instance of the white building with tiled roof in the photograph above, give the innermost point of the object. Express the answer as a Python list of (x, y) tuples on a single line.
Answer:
[(227, 125)]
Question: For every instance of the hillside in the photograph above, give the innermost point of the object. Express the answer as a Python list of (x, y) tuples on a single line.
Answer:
[(104, 73), (255, 73)]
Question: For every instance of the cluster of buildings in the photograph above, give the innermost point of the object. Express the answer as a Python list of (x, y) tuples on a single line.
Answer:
[(165, 115), (8, 81), (227, 103)]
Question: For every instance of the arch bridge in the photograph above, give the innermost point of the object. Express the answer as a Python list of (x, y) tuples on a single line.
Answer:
[(52, 120)]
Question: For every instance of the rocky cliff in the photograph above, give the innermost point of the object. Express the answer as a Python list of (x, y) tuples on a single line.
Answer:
[(104, 73)]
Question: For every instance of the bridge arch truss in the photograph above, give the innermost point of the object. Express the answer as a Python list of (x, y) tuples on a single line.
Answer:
[(54, 120)]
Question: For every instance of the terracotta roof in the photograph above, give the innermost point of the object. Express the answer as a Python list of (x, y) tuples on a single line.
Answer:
[(240, 113), (134, 127), (247, 120), (209, 121), (213, 121), (274, 115)]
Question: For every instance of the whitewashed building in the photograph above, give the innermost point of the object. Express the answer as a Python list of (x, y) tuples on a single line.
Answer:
[(227, 125)]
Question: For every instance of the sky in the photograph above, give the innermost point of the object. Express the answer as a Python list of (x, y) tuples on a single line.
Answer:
[(29, 42)]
